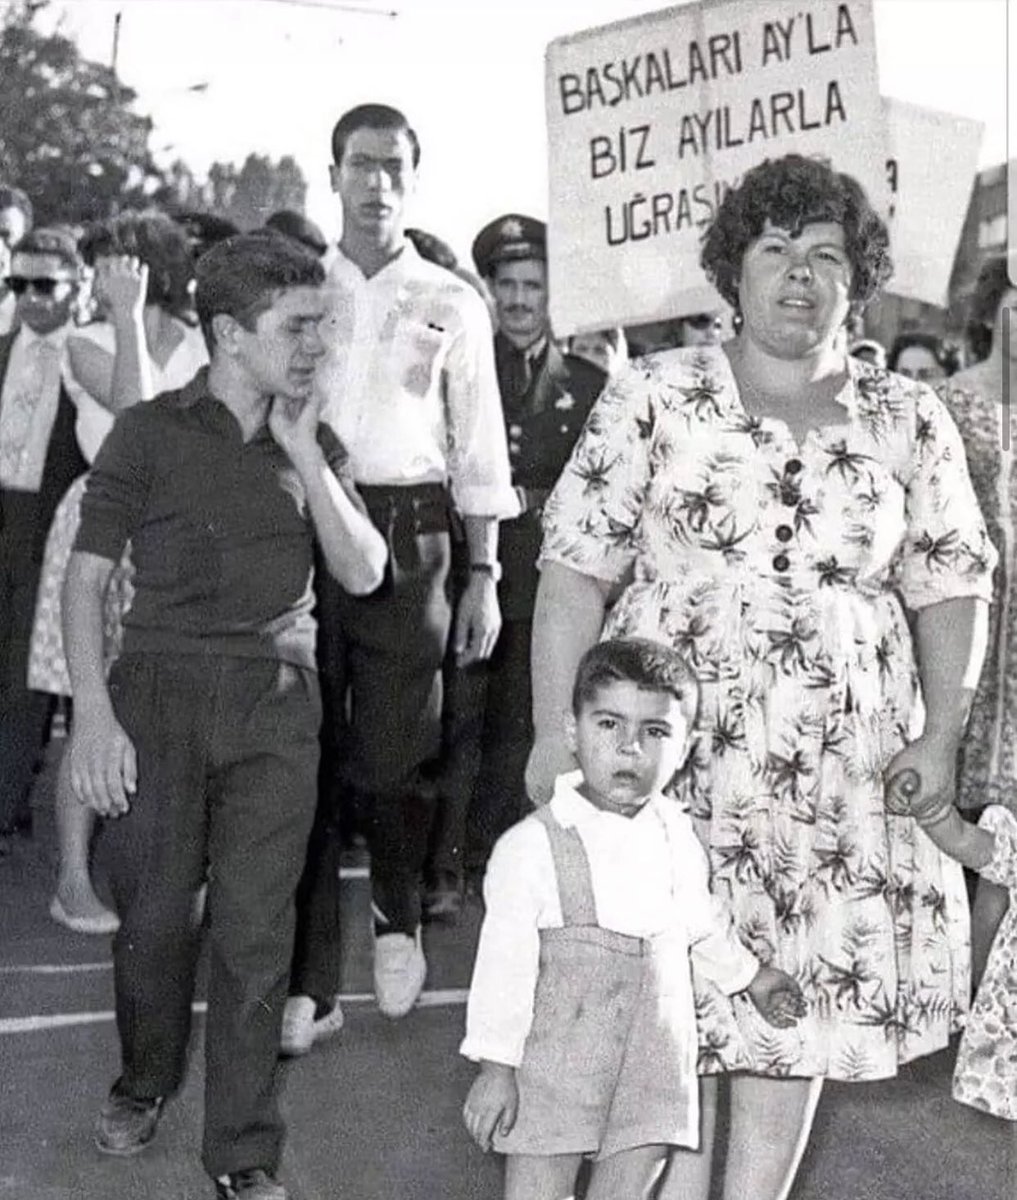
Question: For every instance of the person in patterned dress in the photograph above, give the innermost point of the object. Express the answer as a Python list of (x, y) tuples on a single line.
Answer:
[(988, 758), (985, 1076), (778, 511)]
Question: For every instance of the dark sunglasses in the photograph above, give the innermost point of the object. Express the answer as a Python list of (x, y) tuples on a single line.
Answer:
[(19, 284)]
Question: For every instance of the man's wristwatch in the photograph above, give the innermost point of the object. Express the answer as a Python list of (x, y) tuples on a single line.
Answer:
[(492, 569)]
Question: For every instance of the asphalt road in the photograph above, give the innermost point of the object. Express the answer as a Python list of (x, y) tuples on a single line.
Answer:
[(374, 1114)]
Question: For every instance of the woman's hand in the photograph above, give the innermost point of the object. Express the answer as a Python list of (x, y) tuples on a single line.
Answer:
[(549, 758), (921, 777), (121, 282), (492, 1103)]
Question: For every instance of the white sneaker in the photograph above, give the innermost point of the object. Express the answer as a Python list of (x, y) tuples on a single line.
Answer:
[(330, 1024), (299, 1028), (399, 972)]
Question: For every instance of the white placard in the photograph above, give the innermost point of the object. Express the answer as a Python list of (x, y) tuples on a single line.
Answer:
[(650, 120), (933, 157)]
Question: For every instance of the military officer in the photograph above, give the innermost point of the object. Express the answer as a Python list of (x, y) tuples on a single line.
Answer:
[(546, 396)]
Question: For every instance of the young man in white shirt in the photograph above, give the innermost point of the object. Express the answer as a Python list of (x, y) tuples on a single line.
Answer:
[(39, 459), (410, 388)]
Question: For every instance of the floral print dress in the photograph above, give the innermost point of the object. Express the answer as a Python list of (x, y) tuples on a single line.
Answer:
[(988, 761), (986, 1073), (778, 569)]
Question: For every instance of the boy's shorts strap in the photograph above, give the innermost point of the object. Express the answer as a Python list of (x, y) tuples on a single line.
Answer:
[(572, 870)]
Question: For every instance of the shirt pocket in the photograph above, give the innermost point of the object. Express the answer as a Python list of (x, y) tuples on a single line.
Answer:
[(417, 353)]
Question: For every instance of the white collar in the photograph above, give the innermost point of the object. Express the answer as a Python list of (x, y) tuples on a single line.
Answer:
[(573, 810), (399, 266), (57, 338)]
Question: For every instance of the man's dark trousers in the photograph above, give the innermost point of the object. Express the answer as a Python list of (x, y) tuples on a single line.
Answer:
[(227, 766), (384, 652)]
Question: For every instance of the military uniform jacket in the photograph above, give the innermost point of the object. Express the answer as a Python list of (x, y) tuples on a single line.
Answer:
[(542, 424)]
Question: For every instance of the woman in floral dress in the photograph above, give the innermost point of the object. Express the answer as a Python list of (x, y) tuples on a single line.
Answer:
[(975, 398), (772, 507)]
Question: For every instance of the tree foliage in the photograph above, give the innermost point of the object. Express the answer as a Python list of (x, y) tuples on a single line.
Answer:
[(68, 134), (246, 195)]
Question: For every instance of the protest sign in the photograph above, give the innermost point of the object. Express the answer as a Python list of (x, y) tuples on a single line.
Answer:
[(931, 165), (652, 119)]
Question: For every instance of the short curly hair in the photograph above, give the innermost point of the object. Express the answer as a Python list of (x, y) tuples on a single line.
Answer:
[(157, 241), (792, 192)]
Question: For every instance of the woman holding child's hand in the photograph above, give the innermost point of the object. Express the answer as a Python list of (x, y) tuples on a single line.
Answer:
[(770, 507)]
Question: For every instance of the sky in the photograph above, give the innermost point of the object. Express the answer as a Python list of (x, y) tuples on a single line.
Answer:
[(469, 75)]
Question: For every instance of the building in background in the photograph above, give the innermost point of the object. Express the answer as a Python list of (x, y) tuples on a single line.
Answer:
[(983, 233)]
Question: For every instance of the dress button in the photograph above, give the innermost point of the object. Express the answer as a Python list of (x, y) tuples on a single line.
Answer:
[(784, 533), (781, 562), (792, 466)]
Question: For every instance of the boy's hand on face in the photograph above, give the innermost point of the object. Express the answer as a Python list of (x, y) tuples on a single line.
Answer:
[(293, 422), (777, 997), (492, 1103)]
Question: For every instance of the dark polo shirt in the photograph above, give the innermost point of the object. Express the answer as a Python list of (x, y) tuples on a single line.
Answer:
[(221, 539)]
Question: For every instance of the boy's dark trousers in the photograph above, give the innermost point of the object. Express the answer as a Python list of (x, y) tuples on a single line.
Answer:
[(227, 765)]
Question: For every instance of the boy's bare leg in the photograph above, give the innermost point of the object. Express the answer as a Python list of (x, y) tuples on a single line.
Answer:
[(628, 1175), (541, 1177), (771, 1120), (689, 1171)]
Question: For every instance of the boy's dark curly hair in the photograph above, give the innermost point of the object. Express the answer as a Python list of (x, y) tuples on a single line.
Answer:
[(792, 192), (157, 241)]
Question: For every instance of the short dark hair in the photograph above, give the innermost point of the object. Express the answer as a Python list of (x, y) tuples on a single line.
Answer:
[(302, 229), (991, 286), (157, 241), (652, 666), (58, 243), (242, 276), (792, 192), (14, 197), (945, 355), (372, 116)]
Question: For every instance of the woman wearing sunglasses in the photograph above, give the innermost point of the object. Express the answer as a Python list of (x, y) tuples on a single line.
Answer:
[(145, 342)]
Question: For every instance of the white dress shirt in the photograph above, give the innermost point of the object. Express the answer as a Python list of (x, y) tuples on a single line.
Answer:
[(649, 874), (409, 382), (28, 406)]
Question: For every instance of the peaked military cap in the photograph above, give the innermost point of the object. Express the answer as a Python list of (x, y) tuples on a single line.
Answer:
[(508, 239)]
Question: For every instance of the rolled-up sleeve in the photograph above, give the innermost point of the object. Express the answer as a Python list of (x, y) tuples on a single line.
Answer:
[(946, 553), (478, 462), (499, 1011), (117, 488), (592, 517)]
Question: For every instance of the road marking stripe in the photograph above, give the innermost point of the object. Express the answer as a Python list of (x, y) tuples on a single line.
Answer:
[(55, 968), (35, 1024)]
